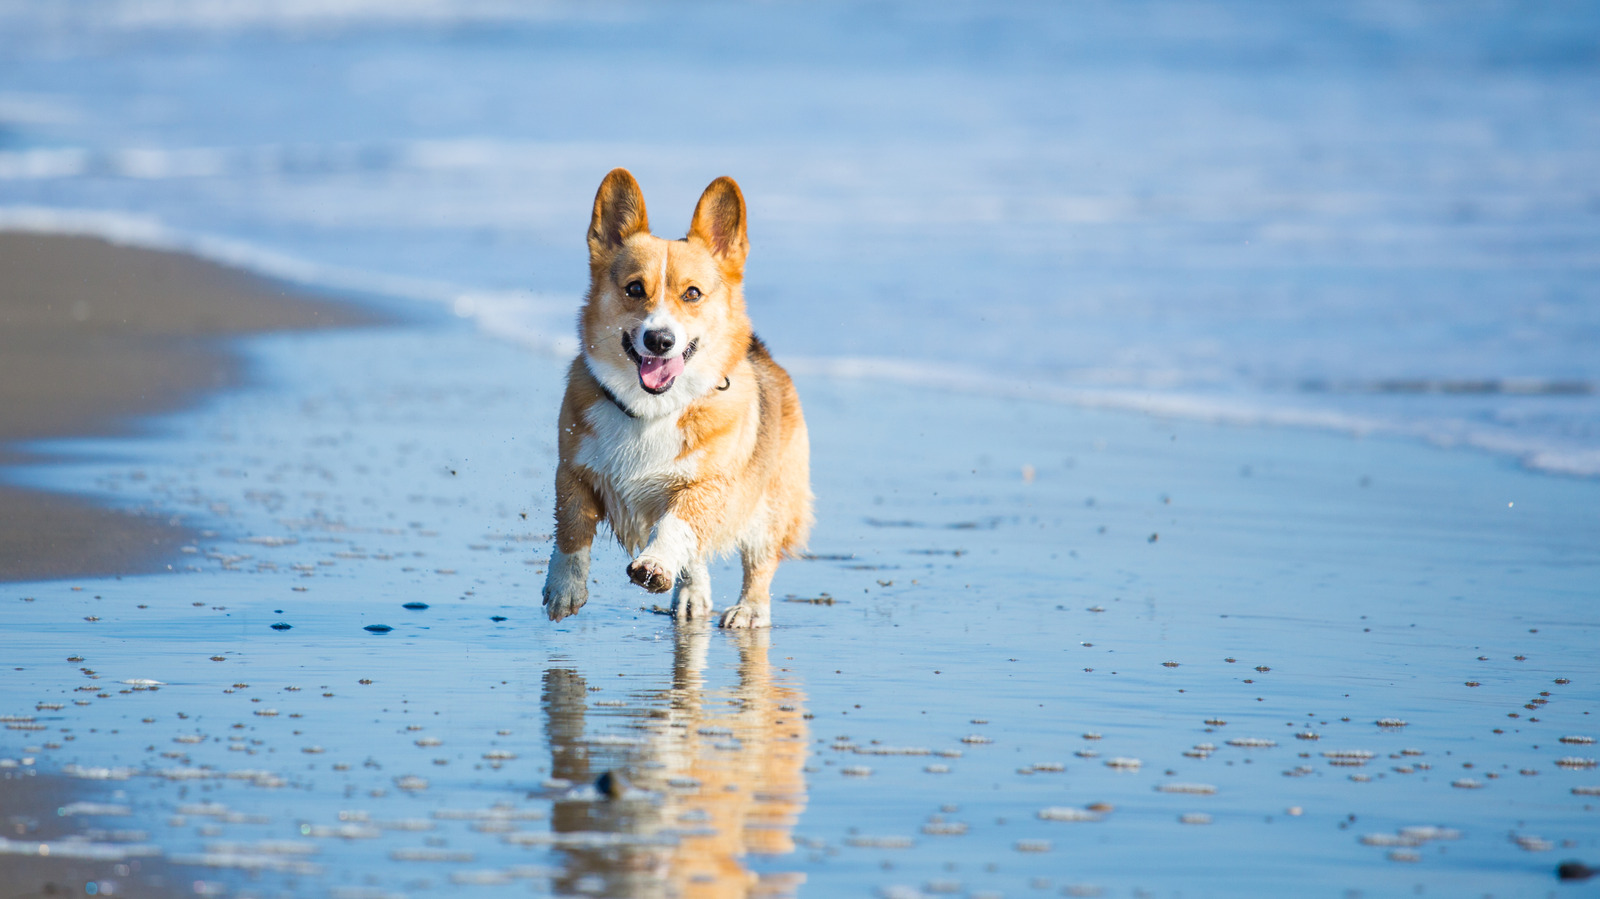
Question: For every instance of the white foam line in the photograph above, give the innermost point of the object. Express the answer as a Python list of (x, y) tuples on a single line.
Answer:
[(503, 313), (312, 15), (543, 322), (140, 231), (1176, 405), (1532, 454)]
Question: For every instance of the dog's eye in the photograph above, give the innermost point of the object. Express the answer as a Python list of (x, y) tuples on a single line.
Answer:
[(635, 289), (691, 294)]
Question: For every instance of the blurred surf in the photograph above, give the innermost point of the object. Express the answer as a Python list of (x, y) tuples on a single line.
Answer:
[(1371, 218)]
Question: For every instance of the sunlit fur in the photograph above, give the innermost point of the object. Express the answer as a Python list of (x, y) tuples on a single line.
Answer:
[(718, 462)]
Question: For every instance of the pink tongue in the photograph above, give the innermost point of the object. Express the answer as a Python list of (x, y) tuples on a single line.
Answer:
[(657, 373)]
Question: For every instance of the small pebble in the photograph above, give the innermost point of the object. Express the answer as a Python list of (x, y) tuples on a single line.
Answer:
[(611, 784), (1066, 813), (1404, 855), (1575, 871), (1193, 789)]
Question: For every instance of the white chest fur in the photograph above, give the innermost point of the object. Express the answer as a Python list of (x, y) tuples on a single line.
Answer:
[(637, 461)]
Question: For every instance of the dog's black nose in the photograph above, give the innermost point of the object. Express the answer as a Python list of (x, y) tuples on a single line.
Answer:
[(659, 342)]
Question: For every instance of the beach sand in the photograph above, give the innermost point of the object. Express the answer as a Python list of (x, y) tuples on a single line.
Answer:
[(94, 337), (1036, 650)]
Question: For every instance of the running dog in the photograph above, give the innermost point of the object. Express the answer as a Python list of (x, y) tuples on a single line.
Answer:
[(677, 429)]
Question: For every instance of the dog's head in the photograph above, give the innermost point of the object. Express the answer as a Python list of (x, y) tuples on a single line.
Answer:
[(669, 314)]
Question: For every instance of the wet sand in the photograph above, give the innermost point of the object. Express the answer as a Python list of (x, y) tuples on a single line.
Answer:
[(1036, 650), (1047, 650), (95, 336)]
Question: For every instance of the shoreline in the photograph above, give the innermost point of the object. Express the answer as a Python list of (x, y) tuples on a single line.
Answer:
[(1005, 592), (96, 336), (506, 315)]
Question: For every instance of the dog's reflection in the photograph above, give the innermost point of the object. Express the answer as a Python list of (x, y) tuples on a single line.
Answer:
[(706, 779)]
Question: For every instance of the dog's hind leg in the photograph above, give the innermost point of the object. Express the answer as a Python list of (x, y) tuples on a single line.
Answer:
[(691, 599), (578, 512), (755, 600)]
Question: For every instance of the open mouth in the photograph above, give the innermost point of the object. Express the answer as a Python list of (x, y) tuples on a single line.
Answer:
[(656, 373)]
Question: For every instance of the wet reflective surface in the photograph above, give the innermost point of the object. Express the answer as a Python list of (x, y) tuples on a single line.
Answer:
[(1036, 651), (711, 778)]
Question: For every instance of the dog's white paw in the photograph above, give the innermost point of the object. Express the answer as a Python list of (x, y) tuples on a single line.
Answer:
[(559, 605), (650, 574), (747, 615), (692, 601), (566, 587)]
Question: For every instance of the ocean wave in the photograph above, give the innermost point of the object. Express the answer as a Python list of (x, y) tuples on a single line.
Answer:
[(295, 16), (127, 229), (544, 322)]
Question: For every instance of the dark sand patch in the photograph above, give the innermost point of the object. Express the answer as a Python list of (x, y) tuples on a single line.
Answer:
[(52, 843), (94, 335)]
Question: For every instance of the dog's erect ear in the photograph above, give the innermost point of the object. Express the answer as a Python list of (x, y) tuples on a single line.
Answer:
[(618, 212), (719, 223)]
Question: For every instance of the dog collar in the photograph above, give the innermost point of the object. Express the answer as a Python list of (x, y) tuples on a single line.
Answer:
[(617, 401), (614, 401), (726, 383)]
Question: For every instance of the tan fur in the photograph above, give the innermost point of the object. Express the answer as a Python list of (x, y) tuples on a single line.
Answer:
[(718, 462)]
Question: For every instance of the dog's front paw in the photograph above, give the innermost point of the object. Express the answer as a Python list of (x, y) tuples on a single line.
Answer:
[(691, 604), (559, 603), (746, 615), (566, 588), (650, 574)]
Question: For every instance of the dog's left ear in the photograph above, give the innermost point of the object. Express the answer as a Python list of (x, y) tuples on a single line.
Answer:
[(719, 224)]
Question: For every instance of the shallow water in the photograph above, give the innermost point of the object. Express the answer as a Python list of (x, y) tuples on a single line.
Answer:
[(1008, 582), (1375, 217)]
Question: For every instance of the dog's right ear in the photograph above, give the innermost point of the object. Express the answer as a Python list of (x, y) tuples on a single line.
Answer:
[(618, 213)]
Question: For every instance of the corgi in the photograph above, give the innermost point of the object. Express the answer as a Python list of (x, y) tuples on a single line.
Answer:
[(677, 429)]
